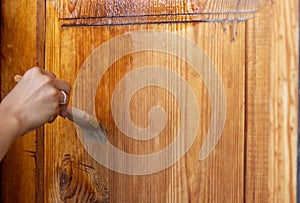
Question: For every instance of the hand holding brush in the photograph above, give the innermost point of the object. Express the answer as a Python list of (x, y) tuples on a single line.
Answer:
[(31, 103), (92, 129)]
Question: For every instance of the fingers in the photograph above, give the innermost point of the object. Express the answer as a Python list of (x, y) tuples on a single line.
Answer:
[(37, 71), (62, 85), (58, 83), (64, 100), (63, 88), (52, 119), (48, 73)]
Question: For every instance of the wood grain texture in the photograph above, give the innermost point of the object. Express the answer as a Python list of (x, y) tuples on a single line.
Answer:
[(127, 8), (71, 174), (255, 53), (102, 12), (258, 126), (272, 104), (18, 53), (284, 101), (40, 62)]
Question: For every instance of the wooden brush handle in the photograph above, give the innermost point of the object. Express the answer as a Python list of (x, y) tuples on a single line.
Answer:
[(81, 117)]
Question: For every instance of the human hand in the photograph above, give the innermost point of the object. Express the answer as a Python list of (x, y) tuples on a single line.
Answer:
[(35, 99)]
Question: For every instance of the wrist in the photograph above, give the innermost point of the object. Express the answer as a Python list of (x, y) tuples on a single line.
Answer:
[(10, 120)]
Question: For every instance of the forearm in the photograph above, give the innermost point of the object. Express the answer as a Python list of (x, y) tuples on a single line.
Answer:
[(9, 130)]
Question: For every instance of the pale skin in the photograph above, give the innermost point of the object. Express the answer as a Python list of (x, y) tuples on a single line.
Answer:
[(31, 103)]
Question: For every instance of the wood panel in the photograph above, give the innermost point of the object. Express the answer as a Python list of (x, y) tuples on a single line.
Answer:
[(257, 110), (284, 101), (255, 159), (19, 52), (73, 175), (272, 103), (104, 12), (105, 8)]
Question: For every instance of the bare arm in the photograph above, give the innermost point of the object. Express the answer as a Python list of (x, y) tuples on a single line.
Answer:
[(32, 102), (9, 126)]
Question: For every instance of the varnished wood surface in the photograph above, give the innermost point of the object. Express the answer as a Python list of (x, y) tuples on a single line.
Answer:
[(257, 109), (272, 104), (72, 174), (18, 53), (40, 62), (102, 12), (256, 56), (127, 8), (284, 79)]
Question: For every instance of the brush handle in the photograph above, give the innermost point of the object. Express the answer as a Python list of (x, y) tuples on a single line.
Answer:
[(81, 117)]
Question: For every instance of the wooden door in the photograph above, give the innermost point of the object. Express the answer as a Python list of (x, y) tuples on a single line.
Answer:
[(212, 66)]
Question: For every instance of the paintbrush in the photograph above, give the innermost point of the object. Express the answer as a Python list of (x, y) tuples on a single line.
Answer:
[(91, 128)]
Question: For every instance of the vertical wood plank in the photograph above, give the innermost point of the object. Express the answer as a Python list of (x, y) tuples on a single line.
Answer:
[(272, 103), (258, 130), (271, 117), (40, 62), (284, 69), (50, 176), (18, 53), (72, 174)]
